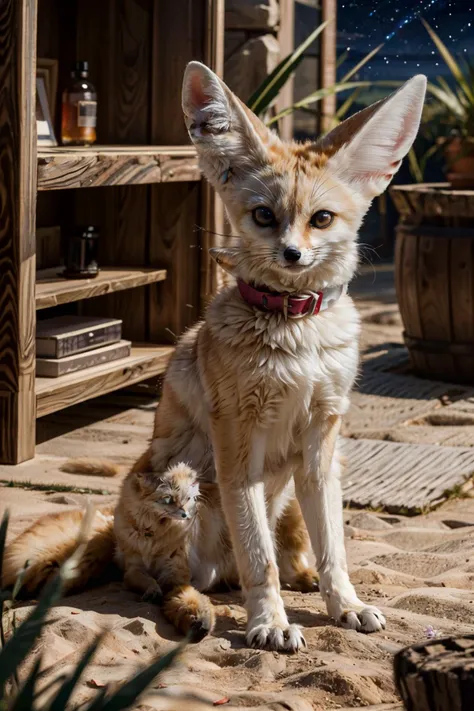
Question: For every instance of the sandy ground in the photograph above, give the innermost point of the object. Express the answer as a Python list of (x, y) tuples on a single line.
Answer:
[(419, 570)]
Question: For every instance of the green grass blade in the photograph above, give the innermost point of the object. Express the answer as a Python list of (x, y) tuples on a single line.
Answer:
[(134, 687), (270, 87), (24, 699), (360, 64), (456, 96), (19, 580), (414, 165), (317, 96), (450, 62), (340, 60), (344, 108), (450, 101), (63, 695)]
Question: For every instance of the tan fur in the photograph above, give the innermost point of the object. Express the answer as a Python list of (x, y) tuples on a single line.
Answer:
[(91, 467), (50, 541), (153, 549), (252, 402)]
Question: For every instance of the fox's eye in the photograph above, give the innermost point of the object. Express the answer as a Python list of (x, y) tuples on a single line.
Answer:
[(167, 500), (263, 217), (321, 219)]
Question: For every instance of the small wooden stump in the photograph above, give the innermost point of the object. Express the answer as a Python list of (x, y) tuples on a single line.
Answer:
[(438, 675)]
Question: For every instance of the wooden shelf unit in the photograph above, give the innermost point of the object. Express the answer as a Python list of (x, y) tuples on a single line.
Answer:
[(145, 361), (52, 289), (61, 168), (155, 216)]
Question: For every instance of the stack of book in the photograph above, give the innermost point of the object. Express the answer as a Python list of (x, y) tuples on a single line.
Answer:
[(66, 344)]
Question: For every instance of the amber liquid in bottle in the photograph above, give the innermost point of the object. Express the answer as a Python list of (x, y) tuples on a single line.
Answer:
[(79, 109)]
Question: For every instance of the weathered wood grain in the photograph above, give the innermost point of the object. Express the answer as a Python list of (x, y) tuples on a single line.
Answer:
[(123, 70), (437, 675), (461, 281), (212, 214), (52, 289), (17, 228), (145, 361), (175, 210), (61, 168), (174, 246), (435, 278), (403, 477)]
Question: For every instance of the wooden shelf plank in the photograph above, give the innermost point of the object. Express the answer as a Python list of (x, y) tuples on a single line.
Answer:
[(146, 360), (75, 167), (52, 289)]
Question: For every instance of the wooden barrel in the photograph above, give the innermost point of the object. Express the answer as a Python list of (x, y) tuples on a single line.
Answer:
[(434, 271)]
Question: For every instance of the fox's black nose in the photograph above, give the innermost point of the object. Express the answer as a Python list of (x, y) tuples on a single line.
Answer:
[(292, 254)]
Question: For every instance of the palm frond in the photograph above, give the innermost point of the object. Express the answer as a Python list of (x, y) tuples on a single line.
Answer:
[(276, 80), (317, 96), (450, 62)]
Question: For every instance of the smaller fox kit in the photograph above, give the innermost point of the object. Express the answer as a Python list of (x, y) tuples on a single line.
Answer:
[(156, 522)]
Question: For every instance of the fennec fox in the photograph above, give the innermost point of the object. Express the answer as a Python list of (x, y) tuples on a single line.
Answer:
[(255, 393), (264, 381)]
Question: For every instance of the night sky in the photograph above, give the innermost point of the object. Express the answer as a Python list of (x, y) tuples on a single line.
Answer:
[(408, 49)]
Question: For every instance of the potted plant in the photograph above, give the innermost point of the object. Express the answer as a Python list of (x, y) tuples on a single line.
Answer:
[(456, 110)]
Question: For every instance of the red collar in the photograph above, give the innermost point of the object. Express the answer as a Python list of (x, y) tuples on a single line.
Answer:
[(291, 306)]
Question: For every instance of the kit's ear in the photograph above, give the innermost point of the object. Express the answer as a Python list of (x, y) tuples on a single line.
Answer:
[(367, 149), (226, 257), (148, 481), (225, 132)]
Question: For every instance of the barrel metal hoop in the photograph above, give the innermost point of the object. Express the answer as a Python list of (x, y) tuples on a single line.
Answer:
[(435, 231), (441, 347)]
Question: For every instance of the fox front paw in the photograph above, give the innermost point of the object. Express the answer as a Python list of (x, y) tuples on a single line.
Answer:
[(368, 619), (276, 638)]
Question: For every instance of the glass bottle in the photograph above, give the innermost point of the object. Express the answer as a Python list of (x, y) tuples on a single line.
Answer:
[(79, 109)]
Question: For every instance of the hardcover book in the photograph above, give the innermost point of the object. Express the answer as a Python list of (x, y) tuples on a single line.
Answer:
[(54, 367), (66, 335)]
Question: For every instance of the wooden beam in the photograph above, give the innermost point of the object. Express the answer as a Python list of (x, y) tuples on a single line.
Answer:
[(327, 63), (17, 229), (53, 289), (60, 168), (286, 38), (145, 361), (211, 277)]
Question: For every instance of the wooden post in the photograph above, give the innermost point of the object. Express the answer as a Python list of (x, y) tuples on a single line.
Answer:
[(437, 675), (17, 229), (286, 38), (327, 63), (212, 278)]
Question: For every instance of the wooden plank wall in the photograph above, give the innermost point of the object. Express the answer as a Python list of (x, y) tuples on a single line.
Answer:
[(17, 219), (137, 51), (118, 46), (175, 237)]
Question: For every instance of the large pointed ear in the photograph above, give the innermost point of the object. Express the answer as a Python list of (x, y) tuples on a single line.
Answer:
[(368, 148), (226, 133)]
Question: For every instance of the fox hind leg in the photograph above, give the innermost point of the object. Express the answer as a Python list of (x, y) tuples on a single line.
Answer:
[(294, 551)]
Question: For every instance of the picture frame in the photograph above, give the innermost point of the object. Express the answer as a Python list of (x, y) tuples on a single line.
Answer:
[(44, 124), (48, 69)]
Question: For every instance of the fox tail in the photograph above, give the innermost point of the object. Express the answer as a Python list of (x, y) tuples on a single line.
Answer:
[(50, 541)]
